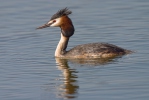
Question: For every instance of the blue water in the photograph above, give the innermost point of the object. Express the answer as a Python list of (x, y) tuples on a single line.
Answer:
[(29, 70)]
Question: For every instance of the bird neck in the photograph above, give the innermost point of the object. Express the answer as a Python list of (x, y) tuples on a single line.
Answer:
[(61, 47), (67, 28)]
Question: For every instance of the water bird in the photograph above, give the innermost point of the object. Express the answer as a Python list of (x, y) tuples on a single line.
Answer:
[(90, 50)]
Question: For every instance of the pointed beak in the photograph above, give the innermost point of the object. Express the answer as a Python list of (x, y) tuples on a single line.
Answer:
[(45, 25)]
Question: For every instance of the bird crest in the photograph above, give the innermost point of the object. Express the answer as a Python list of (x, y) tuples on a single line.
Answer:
[(60, 13)]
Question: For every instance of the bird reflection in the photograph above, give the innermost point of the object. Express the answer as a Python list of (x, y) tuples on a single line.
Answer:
[(69, 88), (93, 61)]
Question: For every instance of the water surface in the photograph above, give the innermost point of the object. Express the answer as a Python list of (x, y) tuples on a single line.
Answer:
[(29, 70)]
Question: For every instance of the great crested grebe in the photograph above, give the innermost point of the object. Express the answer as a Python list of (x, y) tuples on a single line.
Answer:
[(91, 50)]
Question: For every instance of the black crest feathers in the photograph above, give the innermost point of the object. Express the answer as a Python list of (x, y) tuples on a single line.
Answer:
[(60, 13)]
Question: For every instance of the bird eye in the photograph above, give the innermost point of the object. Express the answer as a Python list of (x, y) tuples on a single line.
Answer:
[(54, 21)]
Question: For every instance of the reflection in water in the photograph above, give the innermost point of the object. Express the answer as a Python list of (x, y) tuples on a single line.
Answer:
[(69, 88), (93, 61)]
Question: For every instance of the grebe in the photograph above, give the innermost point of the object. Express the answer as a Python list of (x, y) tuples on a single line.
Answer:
[(91, 50)]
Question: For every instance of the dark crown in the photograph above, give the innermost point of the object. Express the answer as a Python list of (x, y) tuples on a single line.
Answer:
[(60, 13)]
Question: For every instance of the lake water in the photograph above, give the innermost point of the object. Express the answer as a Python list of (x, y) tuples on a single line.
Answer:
[(29, 70)]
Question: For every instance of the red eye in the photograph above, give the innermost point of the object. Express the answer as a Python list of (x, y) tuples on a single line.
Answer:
[(54, 21)]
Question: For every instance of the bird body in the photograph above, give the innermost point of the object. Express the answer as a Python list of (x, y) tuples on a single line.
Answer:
[(91, 50), (96, 50)]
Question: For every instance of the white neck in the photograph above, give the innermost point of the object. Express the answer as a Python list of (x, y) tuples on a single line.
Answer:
[(61, 47)]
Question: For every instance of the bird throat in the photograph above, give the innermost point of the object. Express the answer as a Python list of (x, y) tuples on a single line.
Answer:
[(61, 47)]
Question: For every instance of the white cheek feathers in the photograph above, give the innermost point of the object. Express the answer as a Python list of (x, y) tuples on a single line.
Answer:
[(55, 22)]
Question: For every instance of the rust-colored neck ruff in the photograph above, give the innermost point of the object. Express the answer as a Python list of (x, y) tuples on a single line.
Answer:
[(66, 26)]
